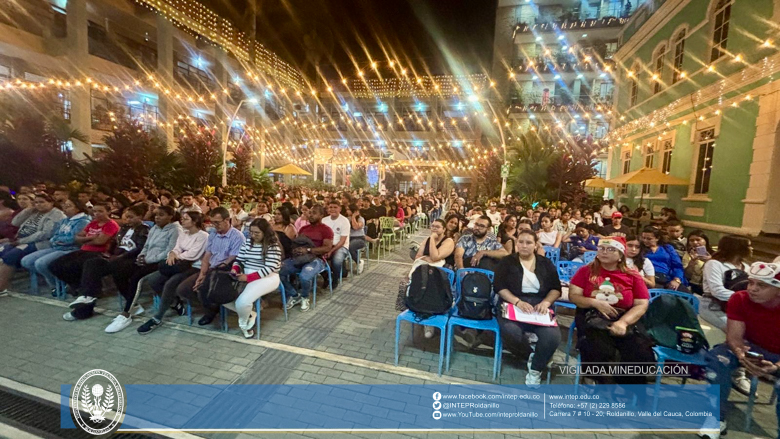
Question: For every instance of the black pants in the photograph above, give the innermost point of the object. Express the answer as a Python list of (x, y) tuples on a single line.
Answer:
[(69, 268), (96, 269), (513, 333), (126, 280), (186, 290), (599, 346), (168, 287)]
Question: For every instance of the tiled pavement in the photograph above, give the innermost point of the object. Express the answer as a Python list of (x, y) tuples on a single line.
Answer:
[(347, 339)]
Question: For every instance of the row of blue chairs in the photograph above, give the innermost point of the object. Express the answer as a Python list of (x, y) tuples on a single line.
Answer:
[(554, 254)]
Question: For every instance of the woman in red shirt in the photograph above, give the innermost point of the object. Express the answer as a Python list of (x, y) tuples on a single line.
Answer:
[(610, 300)]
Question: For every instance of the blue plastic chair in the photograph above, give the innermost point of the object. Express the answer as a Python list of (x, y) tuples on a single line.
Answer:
[(223, 312), (589, 257), (61, 289), (566, 269), (664, 354), (485, 325), (752, 401), (552, 253), (438, 321), (330, 283), (33, 283)]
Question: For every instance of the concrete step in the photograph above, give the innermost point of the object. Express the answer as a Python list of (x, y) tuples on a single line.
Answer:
[(766, 247)]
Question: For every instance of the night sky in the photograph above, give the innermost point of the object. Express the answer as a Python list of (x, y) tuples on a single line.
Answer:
[(434, 36)]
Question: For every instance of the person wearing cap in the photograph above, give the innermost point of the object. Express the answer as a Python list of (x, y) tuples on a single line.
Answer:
[(493, 213), (752, 335), (616, 228), (611, 298)]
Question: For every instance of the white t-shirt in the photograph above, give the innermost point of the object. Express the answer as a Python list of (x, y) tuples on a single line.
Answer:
[(647, 267), (548, 238), (530, 282), (340, 226), (495, 218)]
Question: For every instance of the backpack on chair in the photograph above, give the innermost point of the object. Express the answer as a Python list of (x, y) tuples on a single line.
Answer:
[(475, 297), (429, 292), (665, 315)]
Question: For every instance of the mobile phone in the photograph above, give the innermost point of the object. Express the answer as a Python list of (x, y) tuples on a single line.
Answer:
[(754, 357), (702, 251)]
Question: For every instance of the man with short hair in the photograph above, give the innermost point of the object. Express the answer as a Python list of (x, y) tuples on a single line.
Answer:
[(616, 228), (222, 248), (752, 336), (493, 213), (84, 198), (563, 225), (60, 195), (472, 247), (583, 241), (341, 229), (188, 203), (200, 200), (322, 238)]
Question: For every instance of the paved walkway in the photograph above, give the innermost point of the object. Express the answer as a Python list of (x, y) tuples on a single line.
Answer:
[(347, 339)]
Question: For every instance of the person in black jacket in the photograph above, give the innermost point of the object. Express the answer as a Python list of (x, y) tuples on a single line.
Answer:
[(538, 289)]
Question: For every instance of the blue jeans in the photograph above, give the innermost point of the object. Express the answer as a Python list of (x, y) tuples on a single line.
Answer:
[(722, 362), (306, 274), (39, 261), (337, 260)]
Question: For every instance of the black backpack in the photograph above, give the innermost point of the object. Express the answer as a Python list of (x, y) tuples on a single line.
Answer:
[(665, 314), (475, 290), (429, 293)]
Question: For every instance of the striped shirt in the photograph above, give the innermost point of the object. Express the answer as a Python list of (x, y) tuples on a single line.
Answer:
[(251, 257), (224, 246)]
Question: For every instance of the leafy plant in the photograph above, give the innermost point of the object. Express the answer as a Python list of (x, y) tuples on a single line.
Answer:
[(201, 157), (359, 179)]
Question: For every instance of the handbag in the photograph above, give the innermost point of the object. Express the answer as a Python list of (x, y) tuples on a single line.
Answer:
[(172, 270), (594, 319), (223, 287)]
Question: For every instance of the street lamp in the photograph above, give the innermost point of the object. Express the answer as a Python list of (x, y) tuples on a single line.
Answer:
[(227, 137), (474, 98)]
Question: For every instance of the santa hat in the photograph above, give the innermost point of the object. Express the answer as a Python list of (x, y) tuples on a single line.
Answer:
[(766, 273), (617, 242)]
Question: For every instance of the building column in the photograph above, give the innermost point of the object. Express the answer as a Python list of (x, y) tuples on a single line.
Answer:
[(503, 44), (165, 74), (78, 54), (762, 200), (221, 112)]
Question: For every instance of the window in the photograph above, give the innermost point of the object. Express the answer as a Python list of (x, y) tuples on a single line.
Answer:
[(658, 72), (666, 162), (679, 53), (706, 142), (720, 32), (626, 169), (634, 91), (649, 162)]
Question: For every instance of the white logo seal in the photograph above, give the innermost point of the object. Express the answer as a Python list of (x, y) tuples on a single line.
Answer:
[(99, 394)]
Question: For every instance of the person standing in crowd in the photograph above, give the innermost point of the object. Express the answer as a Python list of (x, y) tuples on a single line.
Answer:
[(36, 225), (607, 210), (62, 242), (188, 203), (130, 240), (731, 257), (322, 239), (668, 266), (539, 288), (697, 253), (752, 336), (547, 235), (611, 299), (616, 228), (178, 265), (341, 228), (257, 264), (472, 248), (128, 273), (636, 260)]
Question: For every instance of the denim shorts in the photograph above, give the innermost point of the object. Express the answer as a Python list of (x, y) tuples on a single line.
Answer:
[(12, 256)]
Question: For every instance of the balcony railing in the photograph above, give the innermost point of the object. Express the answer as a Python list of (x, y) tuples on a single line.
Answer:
[(570, 24), (558, 63), (555, 105)]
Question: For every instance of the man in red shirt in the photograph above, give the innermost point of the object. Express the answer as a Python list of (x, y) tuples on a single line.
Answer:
[(752, 335), (322, 237)]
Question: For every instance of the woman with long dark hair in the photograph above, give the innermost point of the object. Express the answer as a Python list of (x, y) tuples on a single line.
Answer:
[(257, 264), (611, 299), (635, 259), (508, 233), (733, 252), (698, 252), (668, 266)]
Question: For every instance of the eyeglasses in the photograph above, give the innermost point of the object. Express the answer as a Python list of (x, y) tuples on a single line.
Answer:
[(481, 226), (607, 249)]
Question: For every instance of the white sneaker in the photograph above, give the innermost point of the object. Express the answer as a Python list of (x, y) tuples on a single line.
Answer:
[(137, 310), (361, 266), (82, 299), (707, 432), (305, 304), (4, 293), (429, 330), (740, 381), (533, 378), (120, 322), (69, 317)]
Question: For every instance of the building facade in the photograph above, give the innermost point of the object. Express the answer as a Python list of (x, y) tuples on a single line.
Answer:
[(698, 99), (159, 61)]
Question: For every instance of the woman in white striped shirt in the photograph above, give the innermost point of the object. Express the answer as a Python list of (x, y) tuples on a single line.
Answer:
[(257, 264)]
